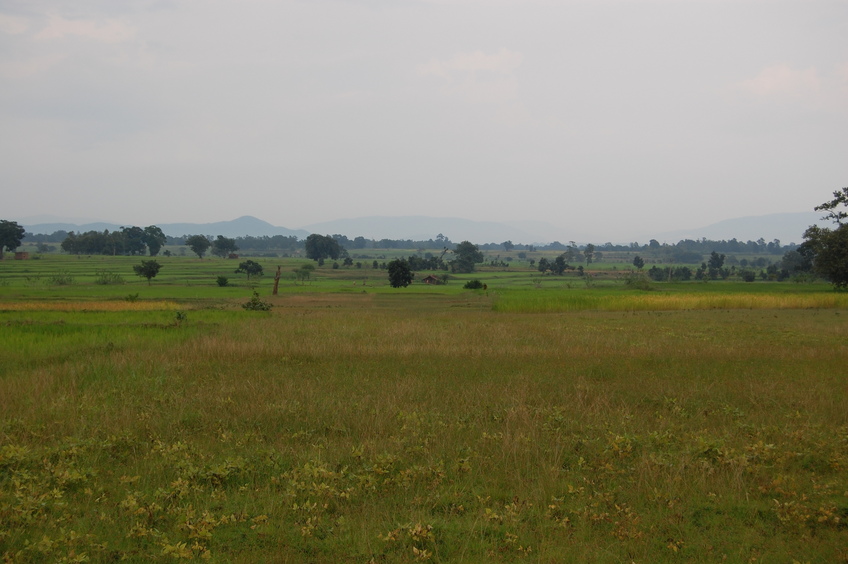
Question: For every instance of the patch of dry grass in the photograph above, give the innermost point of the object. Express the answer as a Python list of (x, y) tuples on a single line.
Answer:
[(346, 428)]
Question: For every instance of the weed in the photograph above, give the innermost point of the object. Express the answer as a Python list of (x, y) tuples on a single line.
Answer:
[(62, 278), (104, 278), (256, 303)]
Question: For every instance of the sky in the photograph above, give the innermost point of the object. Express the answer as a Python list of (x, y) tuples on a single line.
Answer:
[(605, 116)]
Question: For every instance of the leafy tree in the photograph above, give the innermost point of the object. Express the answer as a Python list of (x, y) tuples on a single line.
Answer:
[(223, 246), (147, 269), (256, 303), (589, 253), (154, 238), (11, 235), (559, 265), (133, 240), (249, 267), (544, 265), (400, 275), (467, 255), (714, 265), (198, 244), (828, 248), (508, 245), (638, 262), (829, 251), (571, 253), (840, 198), (322, 247), (797, 261)]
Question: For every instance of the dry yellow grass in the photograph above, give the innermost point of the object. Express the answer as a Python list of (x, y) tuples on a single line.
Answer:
[(100, 305)]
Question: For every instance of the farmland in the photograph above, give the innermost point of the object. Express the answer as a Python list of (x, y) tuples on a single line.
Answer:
[(543, 419)]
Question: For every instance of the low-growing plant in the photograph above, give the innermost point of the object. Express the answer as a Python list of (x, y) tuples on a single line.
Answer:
[(637, 281), (222, 281), (61, 278), (105, 277), (131, 297), (473, 285), (256, 303)]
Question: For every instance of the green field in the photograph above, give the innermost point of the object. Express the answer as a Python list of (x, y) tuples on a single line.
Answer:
[(544, 419)]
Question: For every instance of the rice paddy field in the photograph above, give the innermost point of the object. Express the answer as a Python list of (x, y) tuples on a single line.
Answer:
[(543, 419)]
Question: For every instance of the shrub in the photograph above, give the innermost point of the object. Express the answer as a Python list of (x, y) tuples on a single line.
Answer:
[(222, 281), (104, 277), (256, 303), (61, 279), (638, 281), (473, 285)]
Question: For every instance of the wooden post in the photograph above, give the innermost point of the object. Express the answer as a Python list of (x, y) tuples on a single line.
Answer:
[(276, 280)]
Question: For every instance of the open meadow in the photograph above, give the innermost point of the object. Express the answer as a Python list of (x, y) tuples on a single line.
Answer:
[(544, 419)]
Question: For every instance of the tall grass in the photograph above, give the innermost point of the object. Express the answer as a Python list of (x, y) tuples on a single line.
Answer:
[(552, 301), (399, 428)]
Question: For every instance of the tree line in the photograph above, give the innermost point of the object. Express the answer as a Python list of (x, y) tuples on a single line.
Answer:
[(824, 251)]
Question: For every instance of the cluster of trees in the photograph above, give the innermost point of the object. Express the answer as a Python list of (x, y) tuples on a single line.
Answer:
[(320, 247), (402, 271), (287, 243), (127, 241), (362, 243), (685, 249), (823, 253)]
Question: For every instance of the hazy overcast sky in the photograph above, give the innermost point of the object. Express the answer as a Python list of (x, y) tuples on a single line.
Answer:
[(602, 115)]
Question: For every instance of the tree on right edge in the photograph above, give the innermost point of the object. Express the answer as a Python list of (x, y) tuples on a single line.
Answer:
[(829, 247)]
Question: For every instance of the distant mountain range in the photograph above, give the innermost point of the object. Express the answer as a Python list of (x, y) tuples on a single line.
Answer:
[(787, 227)]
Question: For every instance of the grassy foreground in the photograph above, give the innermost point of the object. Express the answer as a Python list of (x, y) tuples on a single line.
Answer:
[(399, 426)]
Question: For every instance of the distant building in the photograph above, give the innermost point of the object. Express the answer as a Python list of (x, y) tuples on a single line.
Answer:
[(431, 279)]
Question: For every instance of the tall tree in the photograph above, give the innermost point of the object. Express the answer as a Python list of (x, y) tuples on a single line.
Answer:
[(322, 247), (251, 268), (840, 198), (198, 244), (400, 274), (223, 246), (589, 253), (11, 235), (147, 269), (828, 248), (467, 255), (133, 240), (154, 238)]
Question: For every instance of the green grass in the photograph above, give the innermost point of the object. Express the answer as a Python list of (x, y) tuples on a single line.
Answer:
[(357, 424)]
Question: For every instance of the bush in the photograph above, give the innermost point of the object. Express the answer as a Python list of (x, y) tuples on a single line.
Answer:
[(222, 281), (638, 281), (256, 303), (61, 279), (473, 285), (105, 277)]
